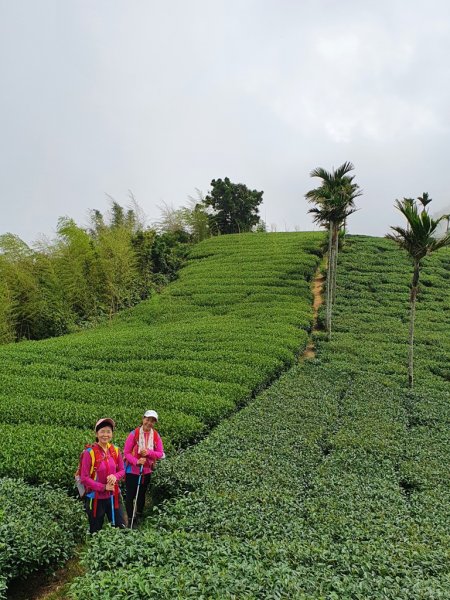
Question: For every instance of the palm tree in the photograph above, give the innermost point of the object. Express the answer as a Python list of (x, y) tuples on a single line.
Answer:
[(418, 239), (334, 201), (447, 218)]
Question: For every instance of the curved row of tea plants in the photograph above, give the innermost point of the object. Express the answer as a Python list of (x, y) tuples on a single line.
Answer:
[(333, 483), (303, 494), (234, 320), (247, 481), (39, 528)]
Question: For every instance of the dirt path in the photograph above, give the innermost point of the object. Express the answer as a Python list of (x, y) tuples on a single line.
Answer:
[(316, 288), (47, 587)]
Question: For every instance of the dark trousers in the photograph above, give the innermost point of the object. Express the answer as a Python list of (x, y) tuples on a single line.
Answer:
[(103, 508), (131, 488)]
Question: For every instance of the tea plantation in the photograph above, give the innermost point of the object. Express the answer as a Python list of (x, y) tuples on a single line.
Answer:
[(234, 321), (330, 484)]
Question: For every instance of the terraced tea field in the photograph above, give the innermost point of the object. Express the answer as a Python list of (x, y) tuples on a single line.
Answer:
[(237, 317), (332, 483), (235, 320)]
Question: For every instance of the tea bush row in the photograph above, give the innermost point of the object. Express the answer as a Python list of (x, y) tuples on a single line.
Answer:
[(195, 353), (331, 484), (301, 494), (316, 511), (39, 528)]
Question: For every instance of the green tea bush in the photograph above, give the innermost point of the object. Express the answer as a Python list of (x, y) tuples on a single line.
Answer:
[(39, 528), (333, 483), (236, 318)]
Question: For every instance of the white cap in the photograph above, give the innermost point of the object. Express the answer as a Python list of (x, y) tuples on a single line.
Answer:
[(151, 413)]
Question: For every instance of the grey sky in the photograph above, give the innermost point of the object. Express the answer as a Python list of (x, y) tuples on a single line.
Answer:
[(161, 97)]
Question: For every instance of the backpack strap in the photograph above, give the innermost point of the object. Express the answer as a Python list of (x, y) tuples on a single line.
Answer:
[(87, 448), (93, 459), (156, 438), (136, 440), (96, 457), (137, 432), (114, 452)]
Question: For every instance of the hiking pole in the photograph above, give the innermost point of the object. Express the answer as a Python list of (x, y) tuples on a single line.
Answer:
[(136, 497), (113, 516)]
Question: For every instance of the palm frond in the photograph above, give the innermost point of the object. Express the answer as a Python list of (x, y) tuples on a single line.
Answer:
[(418, 239), (343, 170)]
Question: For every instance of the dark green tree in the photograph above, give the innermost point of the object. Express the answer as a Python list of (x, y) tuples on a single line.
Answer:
[(419, 240), (7, 329), (168, 253), (234, 206), (142, 243)]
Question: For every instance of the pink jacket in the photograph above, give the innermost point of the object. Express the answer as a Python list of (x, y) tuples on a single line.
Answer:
[(105, 467), (131, 454)]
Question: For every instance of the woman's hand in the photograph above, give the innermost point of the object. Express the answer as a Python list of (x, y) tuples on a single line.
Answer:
[(143, 452), (110, 487), (141, 461), (111, 480)]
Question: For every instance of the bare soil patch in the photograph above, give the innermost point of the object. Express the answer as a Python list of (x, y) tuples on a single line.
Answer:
[(317, 289), (46, 587)]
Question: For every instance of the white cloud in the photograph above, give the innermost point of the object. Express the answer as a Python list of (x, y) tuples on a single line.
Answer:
[(163, 97)]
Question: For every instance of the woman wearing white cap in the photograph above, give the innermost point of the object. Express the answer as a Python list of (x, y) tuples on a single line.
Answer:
[(101, 468), (142, 449)]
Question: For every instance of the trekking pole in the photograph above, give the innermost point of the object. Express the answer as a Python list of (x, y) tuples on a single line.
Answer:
[(113, 516), (136, 497)]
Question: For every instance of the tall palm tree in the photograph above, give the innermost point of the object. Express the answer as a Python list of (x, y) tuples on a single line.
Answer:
[(335, 201), (418, 239)]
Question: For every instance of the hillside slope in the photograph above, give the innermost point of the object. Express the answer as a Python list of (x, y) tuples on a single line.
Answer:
[(234, 320), (333, 483)]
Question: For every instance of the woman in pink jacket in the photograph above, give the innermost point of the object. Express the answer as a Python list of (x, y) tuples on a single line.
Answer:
[(142, 449), (101, 468)]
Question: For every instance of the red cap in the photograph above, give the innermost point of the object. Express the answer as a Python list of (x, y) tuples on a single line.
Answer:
[(102, 422)]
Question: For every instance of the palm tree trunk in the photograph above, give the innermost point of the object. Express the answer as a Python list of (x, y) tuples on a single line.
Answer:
[(335, 257), (329, 277), (413, 296)]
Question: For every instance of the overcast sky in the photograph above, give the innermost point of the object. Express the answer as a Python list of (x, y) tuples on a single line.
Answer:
[(106, 96)]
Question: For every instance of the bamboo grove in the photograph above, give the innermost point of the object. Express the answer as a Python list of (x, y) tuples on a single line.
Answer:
[(85, 275)]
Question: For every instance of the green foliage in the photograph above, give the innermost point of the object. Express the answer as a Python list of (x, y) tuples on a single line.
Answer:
[(85, 275), (34, 303), (333, 483), (335, 202), (39, 528), (234, 205), (335, 197), (142, 244), (192, 219), (233, 321), (77, 268), (419, 238), (168, 253), (6, 311)]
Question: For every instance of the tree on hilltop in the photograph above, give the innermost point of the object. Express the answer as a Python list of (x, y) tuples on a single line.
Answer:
[(335, 202), (419, 240), (234, 206)]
